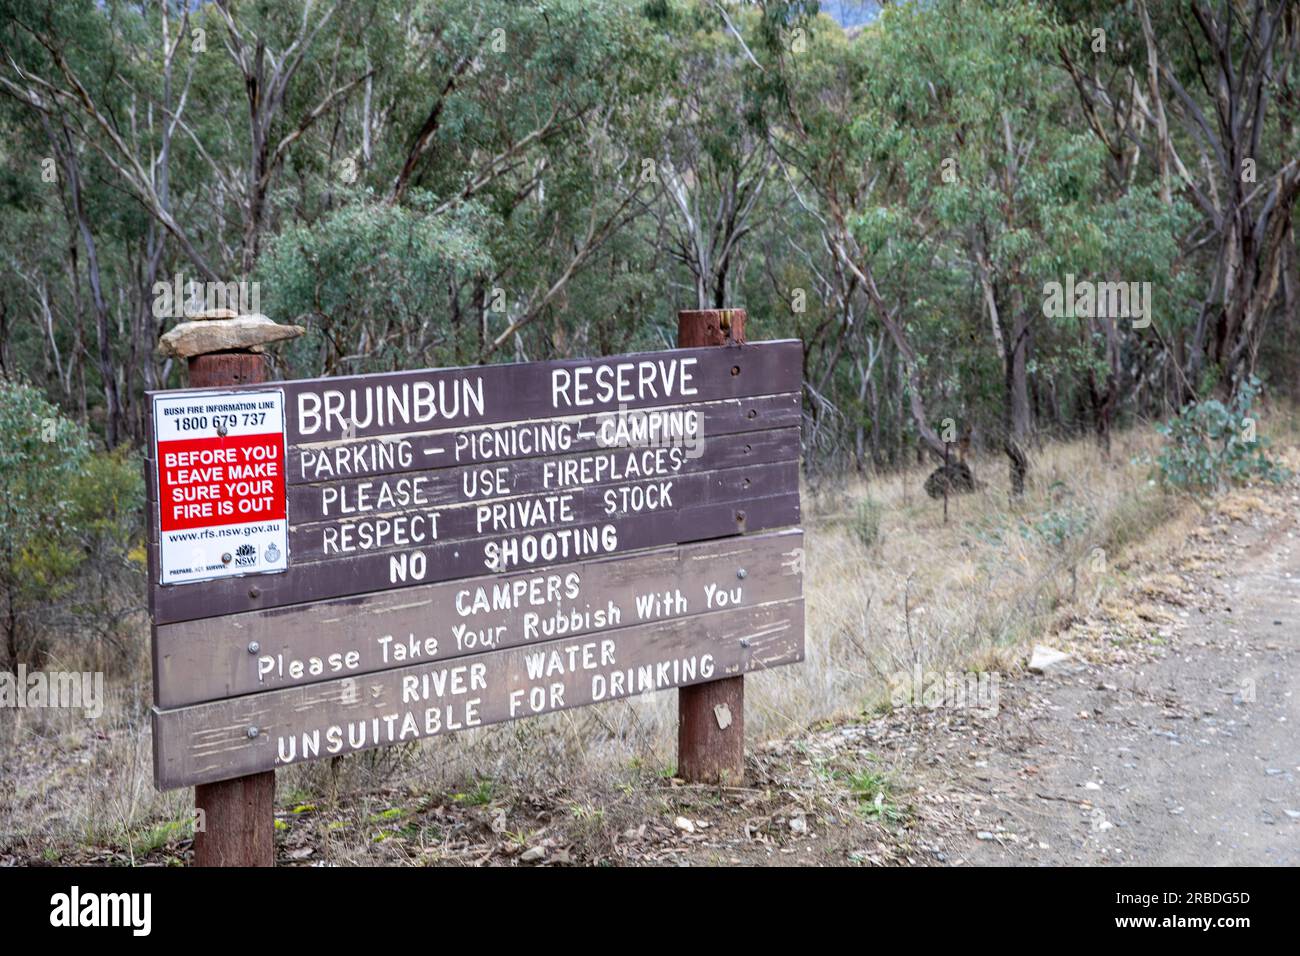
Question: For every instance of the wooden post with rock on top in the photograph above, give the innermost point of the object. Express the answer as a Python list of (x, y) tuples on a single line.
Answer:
[(234, 819), (711, 716)]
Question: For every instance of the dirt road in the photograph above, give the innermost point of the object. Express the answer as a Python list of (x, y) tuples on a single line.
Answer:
[(1168, 737), (1189, 757)]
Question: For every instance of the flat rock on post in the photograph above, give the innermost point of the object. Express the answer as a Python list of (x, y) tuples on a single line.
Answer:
[(212, 334)]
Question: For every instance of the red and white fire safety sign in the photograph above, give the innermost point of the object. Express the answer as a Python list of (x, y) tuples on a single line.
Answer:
[(221, 493)]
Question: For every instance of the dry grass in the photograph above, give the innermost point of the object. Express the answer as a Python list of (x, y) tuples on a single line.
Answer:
[(969, 594)]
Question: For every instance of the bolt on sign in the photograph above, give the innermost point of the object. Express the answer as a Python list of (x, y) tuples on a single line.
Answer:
[(451, 548)]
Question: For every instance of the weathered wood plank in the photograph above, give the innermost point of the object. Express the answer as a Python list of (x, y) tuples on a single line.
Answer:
[(539, 514), (335, 504), (456, 559), (363, 406), (214, 658), (352, 498), (683, 425), (258, 732)]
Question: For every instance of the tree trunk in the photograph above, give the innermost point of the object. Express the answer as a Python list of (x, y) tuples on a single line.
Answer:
[(11, 624), (67, 156), (1017, 412)]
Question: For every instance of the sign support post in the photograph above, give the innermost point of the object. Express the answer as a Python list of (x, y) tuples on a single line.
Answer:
[(234, 819), (711, 716)]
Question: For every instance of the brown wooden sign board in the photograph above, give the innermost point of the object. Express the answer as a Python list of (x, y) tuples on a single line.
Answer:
[(244, 735), (503, 521), (322, 410), (580, 500), (215, 658), (493, 444), (358, 499), (379, 571)]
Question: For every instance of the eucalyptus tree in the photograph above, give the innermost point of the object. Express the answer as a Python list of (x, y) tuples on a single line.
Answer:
[(993, 181), (825, 138), (56, 60), (136, 110), (1204, 96), (515, 123), (939, 148), (713, 166)]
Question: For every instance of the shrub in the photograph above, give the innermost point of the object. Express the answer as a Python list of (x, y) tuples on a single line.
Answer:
[(1062, 530), (866, 522), (1060, 527), (1210, 445), (367, 273), (69, 522)]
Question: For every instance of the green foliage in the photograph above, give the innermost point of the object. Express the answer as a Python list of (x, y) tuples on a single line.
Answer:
[(365, 279), (479, 796), (443, 182), (69, 525), (874, 793), (1210, 445), (867, 515), (1059, 527), (40, 453)]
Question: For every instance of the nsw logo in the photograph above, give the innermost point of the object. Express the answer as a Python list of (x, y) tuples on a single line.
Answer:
[(245, 556)]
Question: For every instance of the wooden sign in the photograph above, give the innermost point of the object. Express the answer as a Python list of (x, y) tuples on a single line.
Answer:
[(243, 735), (465, 546), (213, 658)]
